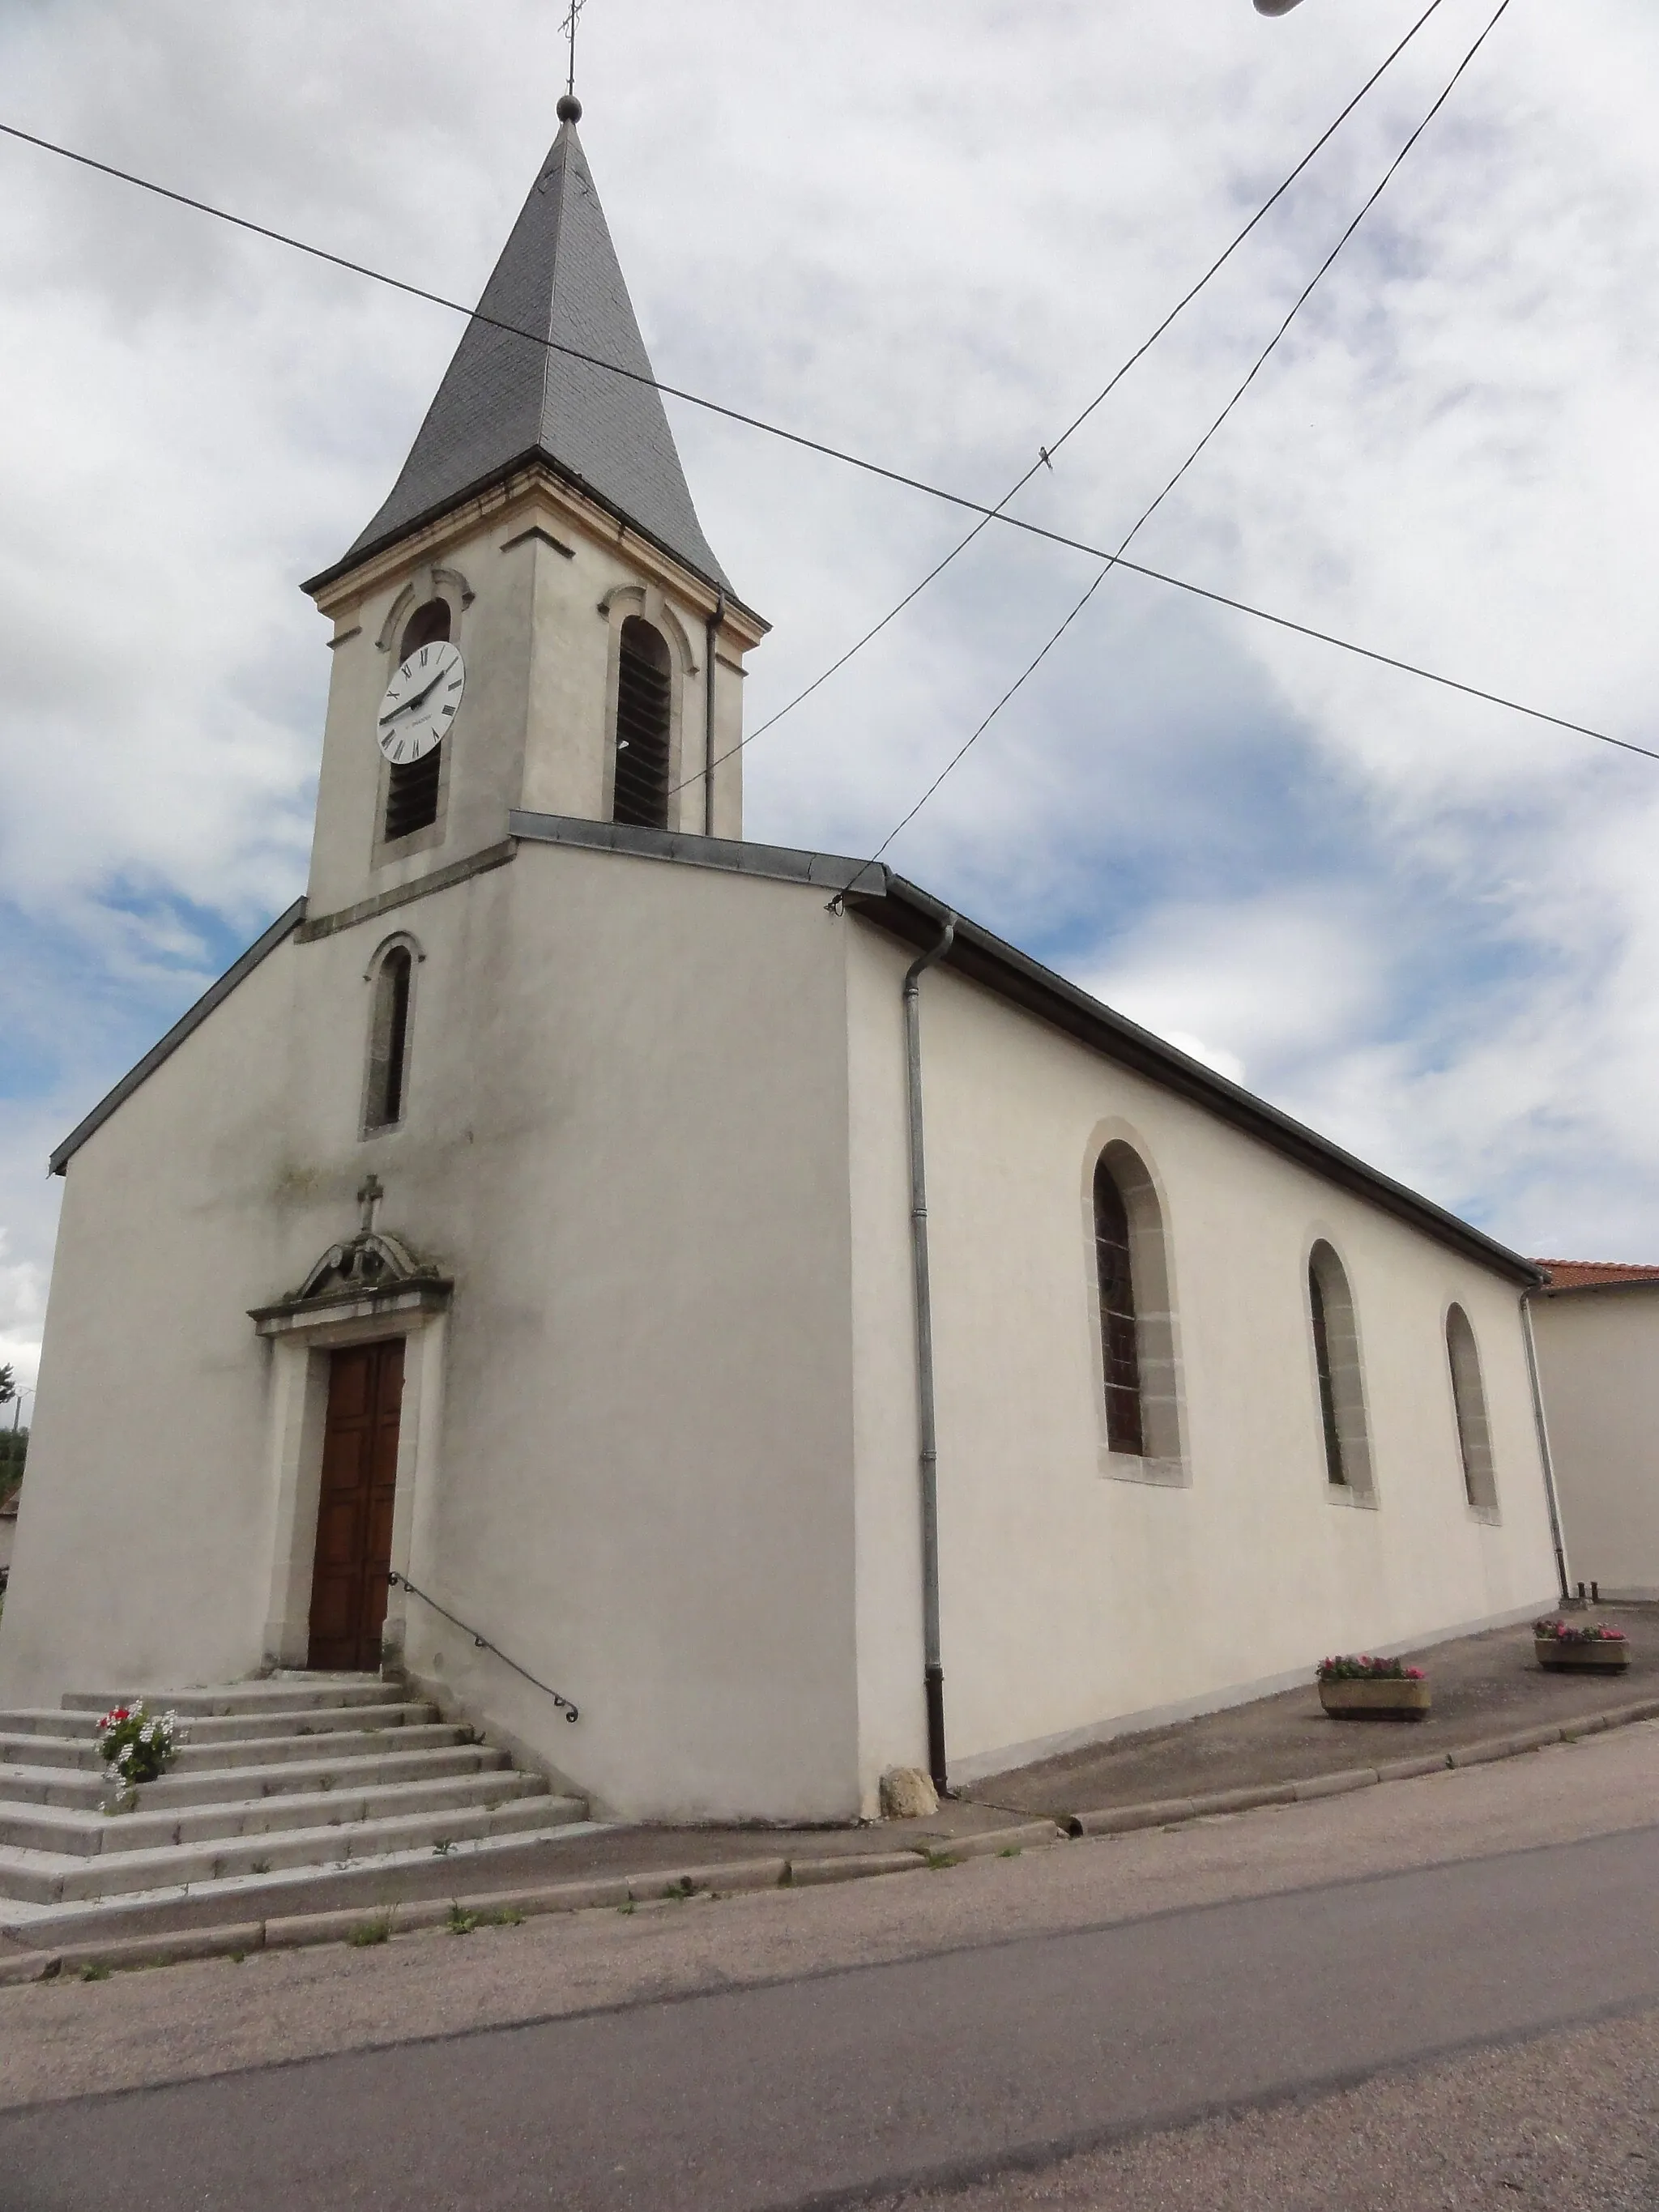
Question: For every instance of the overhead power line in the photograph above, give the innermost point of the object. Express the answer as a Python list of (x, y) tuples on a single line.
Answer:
[(877, 469), (1260, 363), (1046, 454)]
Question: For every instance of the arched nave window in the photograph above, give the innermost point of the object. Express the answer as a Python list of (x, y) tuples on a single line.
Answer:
[(643, 706), (1137, 1332), (412, 792), (1119, 1346), (1469, 1401), (1341, 1386), (389, 1040)]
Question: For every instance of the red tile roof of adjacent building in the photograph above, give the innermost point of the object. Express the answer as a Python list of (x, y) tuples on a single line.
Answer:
[(1593, 1274)]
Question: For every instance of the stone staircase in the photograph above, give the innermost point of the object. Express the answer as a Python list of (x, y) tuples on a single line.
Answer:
[(293, 1793)]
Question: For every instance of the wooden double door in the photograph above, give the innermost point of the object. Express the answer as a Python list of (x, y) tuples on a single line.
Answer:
[(350, 1581)]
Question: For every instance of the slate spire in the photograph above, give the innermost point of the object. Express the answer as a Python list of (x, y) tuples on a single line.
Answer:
[(506, 400)]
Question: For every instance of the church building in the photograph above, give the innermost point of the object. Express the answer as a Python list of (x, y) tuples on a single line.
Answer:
[(577, 1251)]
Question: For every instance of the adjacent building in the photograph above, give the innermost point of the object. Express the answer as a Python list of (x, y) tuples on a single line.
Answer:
[(1597, 1329)]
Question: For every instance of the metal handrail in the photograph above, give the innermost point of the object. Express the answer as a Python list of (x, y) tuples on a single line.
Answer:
[(402, 1582)]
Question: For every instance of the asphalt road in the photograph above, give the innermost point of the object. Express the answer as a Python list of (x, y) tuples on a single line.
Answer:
[(828, 2086)]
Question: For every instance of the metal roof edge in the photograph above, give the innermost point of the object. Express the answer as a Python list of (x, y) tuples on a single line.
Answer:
[(784, 864), (215, 995), (987, 959)]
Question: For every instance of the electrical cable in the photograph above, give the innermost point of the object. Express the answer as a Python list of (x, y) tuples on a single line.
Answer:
[(1046, 454), (1260, 363), (959, 500)]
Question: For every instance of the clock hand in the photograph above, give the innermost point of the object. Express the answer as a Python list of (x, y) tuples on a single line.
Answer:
[(405, 707)]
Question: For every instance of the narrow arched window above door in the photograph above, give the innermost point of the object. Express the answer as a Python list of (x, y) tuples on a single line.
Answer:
[(644, 709), (391, 1010)]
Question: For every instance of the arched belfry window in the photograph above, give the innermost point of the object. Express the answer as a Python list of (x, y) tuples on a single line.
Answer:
[(390, 1009), (1341, 1384), (412, 789), (1138, 1367), (644, 699), (1469, 1405)]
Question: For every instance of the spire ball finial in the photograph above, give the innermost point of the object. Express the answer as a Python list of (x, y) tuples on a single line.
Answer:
[(569, 109)]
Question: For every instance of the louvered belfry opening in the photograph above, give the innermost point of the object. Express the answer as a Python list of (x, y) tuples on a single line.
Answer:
[(411, 798), (643, 712)]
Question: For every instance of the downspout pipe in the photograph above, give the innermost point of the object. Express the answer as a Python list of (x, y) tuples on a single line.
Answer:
[(1545, 1453), (710, 646), (927, 1454)]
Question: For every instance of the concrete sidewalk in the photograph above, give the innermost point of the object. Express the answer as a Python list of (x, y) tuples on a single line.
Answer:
[(1485, 1686)]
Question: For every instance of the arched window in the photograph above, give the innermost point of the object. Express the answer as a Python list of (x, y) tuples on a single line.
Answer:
[(1469, 1403), (643, 696), (1137, 1332), (427, 625), (1341, 1386), (1121, 1352), (388, 1042), (412, 797)]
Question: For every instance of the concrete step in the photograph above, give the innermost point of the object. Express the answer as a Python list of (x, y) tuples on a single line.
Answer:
[(21, 1750), (44, 1877), (295, 1781), (283, 1693), (82, 1754), (367, 1885), (81, 1727), (329, 1745), (48, 1785), (74, 1830)]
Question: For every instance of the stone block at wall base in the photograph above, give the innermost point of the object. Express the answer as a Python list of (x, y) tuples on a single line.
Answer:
[(908, 1794)]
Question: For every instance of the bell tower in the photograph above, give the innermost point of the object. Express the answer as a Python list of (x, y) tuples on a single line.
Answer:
[(534, 618)]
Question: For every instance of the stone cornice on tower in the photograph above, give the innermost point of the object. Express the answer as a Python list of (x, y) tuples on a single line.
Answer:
[(531, 493)]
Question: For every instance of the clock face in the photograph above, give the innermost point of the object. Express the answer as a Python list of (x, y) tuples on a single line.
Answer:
[(421, 702)]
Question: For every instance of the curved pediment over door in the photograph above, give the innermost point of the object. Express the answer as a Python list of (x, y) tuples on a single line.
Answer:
[(371, 1274)]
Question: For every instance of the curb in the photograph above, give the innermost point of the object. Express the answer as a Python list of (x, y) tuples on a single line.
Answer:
[(370, 1925), (1176, 1812)]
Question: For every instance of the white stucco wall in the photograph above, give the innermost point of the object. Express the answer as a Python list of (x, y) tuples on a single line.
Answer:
[(1598, 1357), (627, 1140), (1073, 1600)]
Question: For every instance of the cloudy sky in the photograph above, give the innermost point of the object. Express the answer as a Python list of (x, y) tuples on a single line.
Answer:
[(928, 230)]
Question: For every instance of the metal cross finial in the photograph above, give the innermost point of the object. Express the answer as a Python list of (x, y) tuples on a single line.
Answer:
[(369, 1197), (568, 26)]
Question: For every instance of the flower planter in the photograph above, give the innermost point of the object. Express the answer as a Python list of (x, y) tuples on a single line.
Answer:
[(1377, 1699), (1602, 1655)]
